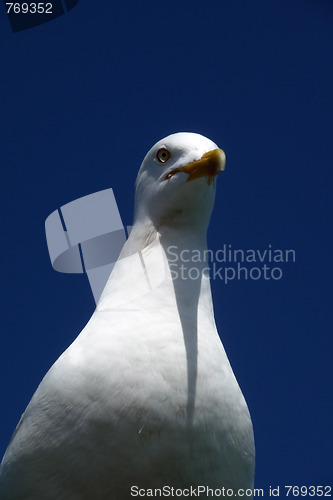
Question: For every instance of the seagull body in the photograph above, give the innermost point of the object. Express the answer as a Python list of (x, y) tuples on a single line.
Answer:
[(145, 397)]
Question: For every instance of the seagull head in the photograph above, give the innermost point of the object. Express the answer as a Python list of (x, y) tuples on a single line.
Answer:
[(176, 182)]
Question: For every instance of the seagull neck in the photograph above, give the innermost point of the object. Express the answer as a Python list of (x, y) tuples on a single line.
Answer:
[(187, 256), (183, 238), (185, 250)]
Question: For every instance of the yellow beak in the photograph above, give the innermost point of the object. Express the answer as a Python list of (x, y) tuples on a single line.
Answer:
[(209, 165)]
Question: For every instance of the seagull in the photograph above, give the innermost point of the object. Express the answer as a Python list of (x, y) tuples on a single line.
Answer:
[(145, 398)]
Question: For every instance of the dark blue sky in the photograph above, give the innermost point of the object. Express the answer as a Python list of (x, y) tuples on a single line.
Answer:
[(85, 96)]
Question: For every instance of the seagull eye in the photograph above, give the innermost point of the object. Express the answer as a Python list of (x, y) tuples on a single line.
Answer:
[(163, 155)]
